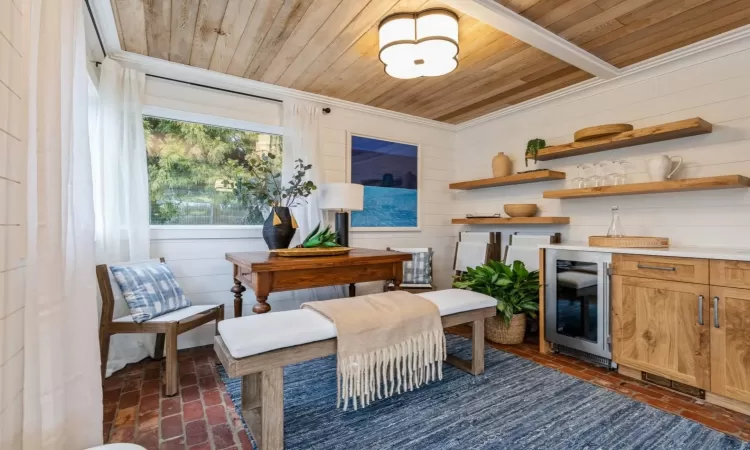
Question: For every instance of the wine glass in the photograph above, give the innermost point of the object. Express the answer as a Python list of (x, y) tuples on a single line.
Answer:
[(593, 180), (578, 181), (614, 177)]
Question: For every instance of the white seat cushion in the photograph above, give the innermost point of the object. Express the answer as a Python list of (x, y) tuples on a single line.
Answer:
[(174, 316), (251, 335)]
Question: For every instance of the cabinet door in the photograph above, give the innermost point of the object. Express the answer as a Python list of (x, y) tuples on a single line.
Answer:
[(730, 342), (657, 329)]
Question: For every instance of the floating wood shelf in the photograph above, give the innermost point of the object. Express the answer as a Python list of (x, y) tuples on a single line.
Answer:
[(690, 184), (512, 221), (519, 178), (658, 133)]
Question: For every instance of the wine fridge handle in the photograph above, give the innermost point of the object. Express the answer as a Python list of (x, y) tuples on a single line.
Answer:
[(700, 310), (716, 312)]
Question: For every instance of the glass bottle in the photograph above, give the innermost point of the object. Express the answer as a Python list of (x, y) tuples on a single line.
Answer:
[(615, 227)]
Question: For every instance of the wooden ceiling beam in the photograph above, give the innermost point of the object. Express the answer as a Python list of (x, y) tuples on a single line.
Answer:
[(527, 31)]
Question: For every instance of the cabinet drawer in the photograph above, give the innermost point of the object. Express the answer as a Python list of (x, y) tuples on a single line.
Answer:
[(689, 270), (730, 273)]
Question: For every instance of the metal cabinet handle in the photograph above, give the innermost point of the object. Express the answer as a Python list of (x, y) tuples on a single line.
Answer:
[(716, 312), (700, 310), (668, 269)]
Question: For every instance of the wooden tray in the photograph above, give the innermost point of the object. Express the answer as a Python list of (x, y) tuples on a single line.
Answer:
[(601, 131), (629, 242), (333, 251)]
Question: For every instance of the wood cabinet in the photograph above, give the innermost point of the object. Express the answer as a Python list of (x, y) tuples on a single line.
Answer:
[(689, 270), (662, 327), (730, 342)]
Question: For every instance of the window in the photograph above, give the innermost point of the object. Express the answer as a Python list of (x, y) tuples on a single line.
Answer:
[(192, 170)]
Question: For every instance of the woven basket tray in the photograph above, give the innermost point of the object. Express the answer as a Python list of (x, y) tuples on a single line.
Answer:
[(629, 242), (334, 251)]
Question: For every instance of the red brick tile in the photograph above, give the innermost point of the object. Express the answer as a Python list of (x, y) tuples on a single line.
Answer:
[(111, 396), (129, 399), (188, 379), (125, 417), (223, 437), (244, 440), (196, 432), (106, 428), (171, 427), (186, 367), (148, 421), (578, 373), (152, 374), (234, 418), (190, 394), (205, 446), (644, 390), (113, 382), (109, 412), (150, 440), (207, 383), (718, 425), (211, 397), (150, 387), (122, 435), (204, 371), (173, 444), (657, 403), (201, 359), (216, 414), (132, 384), (227, 399), (192, 411), (149, 403), (170, 406)]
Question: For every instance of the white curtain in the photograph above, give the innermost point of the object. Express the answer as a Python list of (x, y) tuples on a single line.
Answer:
[(121, 203), (302, 141), (62, 401)]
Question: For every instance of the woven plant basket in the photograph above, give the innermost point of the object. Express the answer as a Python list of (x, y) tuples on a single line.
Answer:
[(496, 331)]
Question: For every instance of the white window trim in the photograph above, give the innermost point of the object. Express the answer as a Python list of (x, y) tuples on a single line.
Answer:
[(170, 232)]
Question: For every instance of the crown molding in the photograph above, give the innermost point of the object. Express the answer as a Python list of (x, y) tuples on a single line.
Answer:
[(702, 51), (521, 28), (168, 69)]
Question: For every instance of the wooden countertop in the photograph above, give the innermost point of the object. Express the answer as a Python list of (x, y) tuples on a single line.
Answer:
[(732, 254)]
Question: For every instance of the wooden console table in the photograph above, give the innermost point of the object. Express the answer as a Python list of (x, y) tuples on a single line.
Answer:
[(265, 273)]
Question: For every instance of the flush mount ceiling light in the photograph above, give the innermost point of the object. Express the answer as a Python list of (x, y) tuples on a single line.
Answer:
[(423, 44)]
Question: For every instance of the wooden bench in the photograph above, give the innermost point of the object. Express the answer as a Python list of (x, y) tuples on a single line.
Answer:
[(263, 372)]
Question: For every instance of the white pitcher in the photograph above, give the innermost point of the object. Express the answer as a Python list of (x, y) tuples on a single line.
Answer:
[(660, 167)]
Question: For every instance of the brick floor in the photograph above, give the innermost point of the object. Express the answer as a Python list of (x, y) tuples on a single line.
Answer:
[(202, 415)]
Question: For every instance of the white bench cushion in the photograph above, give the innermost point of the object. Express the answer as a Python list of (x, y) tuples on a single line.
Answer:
[(174, 316), (251, 335)]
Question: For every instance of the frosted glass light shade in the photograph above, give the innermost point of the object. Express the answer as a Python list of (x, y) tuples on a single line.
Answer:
[(419, 44), (342, 196)]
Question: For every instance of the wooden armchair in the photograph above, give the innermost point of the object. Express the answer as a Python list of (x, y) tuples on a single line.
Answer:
[(167, 326)]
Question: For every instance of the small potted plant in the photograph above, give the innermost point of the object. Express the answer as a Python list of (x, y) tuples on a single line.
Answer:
[(516, 290), (264, 185), (532, 148)]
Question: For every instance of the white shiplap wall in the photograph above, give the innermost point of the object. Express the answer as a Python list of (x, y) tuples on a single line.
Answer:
[(714, 85), (197, 255), (12, 221)]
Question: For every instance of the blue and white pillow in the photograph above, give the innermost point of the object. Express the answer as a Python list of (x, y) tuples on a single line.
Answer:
[(150, 290)]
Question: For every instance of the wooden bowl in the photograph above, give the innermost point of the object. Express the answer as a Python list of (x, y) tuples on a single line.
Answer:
[(520, 209), (601, 131)]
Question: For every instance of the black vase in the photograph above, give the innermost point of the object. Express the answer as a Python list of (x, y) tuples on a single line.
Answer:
[(278, 236)]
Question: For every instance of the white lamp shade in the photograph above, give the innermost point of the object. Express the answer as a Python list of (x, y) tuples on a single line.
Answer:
[(342, 196)]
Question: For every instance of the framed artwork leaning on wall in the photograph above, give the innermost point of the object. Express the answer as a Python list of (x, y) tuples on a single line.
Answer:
[(390, 172)]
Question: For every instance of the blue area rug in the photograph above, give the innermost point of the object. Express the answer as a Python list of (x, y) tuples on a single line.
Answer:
[(516, 404)]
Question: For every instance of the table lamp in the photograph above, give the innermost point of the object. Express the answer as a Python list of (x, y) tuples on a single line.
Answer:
[(342, 197)]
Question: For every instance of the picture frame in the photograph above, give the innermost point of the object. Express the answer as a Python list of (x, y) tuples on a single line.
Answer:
[(403, 208)]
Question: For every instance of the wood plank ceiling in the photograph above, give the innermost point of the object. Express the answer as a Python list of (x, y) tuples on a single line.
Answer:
[(330, 47)]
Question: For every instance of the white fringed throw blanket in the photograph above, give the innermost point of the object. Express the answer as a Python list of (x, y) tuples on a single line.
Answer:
[(387, 342)]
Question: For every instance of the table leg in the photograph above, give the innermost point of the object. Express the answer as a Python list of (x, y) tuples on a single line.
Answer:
[(398, 275), (237, 290), (352, 290)]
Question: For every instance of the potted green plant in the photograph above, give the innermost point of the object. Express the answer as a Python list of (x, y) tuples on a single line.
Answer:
[(532, 148), (516, 290), (264, 185)]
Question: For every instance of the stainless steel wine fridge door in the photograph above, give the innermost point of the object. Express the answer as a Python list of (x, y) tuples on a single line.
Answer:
[(577, 302)]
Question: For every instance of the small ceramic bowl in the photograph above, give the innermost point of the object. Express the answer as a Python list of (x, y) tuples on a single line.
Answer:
[(520, 210)]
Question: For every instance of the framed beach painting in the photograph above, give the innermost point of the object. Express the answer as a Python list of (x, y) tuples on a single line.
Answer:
[(390, 173)]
